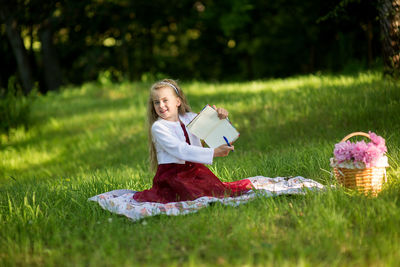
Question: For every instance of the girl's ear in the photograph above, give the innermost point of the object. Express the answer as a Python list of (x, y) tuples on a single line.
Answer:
[(179, 101)]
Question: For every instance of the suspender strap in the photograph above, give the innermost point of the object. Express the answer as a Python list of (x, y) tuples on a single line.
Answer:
[(185, 133)]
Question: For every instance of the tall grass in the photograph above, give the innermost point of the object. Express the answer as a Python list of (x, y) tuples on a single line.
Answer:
[(92, 139)]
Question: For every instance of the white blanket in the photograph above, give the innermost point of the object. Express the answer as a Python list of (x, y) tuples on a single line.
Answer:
[(121, 201)]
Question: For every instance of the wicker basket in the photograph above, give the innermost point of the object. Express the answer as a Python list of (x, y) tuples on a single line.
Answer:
[(367, 181)]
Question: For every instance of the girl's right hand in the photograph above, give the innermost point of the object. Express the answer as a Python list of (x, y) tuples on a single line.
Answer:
[(223, 150)]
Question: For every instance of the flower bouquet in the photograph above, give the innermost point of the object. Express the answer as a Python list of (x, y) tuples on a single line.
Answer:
[(361, 165)]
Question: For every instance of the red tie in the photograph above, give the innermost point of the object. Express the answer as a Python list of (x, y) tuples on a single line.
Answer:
[(185, 133)]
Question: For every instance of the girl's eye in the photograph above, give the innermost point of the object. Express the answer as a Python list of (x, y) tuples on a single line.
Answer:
[(156, 102)]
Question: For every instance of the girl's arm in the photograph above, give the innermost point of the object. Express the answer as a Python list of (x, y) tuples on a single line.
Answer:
[(222, 113), (223, 150), (178, 148)]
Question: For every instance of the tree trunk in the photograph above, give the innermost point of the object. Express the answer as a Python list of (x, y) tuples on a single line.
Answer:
[(370, 35), (51, 65), (19, 50), (389, 15)]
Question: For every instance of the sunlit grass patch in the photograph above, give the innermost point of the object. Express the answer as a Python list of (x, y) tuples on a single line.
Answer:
[(92, 138)]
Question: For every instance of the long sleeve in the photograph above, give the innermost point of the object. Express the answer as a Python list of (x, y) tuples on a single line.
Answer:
[(170, 148)]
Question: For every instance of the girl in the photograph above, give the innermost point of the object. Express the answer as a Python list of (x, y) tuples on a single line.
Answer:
[(178, 155)]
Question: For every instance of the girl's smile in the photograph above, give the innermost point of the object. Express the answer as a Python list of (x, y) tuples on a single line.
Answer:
[(166, 103)]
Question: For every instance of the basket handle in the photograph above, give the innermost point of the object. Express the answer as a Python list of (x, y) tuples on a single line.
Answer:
[(354, 134)]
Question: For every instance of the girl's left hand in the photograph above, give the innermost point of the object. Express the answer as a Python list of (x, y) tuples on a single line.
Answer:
[(222, 113)]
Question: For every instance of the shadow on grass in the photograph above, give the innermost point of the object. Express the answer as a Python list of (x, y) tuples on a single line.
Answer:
[(119, 149), (273, 119), (307, 113)]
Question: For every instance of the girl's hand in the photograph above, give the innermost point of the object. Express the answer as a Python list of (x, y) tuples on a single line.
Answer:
[(223, 150), (222, 113)]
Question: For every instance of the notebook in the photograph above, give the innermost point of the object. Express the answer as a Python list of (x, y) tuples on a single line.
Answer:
[(208, 127)]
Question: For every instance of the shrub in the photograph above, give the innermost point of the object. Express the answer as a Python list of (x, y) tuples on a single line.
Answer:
[(14, 107)]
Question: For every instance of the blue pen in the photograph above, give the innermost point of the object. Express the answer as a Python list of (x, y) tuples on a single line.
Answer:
[(227, 142)]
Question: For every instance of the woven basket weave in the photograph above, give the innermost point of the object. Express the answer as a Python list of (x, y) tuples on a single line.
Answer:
[(367, 181)]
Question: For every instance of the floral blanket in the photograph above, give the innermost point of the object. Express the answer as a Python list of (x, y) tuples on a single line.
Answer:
[(121, 201)]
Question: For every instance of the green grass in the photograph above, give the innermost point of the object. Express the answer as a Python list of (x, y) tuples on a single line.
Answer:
[(92, 139)]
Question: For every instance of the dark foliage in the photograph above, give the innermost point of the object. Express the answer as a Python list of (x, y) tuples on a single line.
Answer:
[(208, 40)]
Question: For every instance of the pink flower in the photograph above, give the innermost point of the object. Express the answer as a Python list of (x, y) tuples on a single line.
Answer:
[(343, 151), (372, 154), (360, 153), (359, 150), (378, 141)]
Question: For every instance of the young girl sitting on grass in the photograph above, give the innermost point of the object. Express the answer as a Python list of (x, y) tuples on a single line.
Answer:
[(178, 155)]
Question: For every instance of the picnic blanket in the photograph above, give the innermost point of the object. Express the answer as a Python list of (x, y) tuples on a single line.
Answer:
[(121, 201)]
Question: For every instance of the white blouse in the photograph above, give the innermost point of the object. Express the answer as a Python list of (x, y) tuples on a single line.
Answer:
[(171, 146)]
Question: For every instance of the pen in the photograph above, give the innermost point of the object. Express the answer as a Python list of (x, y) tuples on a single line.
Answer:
[(227, 142)]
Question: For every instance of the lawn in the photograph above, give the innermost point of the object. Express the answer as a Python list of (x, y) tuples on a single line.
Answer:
[(90, 139)]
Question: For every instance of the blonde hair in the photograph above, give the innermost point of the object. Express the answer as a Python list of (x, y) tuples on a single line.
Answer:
[(152, 114)]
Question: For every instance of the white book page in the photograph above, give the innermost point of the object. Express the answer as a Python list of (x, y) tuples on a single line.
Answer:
[(216, 137), (204, 123)]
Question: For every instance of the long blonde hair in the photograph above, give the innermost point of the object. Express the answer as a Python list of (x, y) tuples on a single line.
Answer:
[(152, 114)]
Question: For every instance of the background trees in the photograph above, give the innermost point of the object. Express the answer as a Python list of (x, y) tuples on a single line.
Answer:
[(58, 41), (389, 17)]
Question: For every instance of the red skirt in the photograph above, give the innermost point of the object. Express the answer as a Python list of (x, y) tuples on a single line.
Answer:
[(181, 182)]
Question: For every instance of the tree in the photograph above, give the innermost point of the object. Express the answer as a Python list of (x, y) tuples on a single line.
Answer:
[(76, 41), (14, 36), (33, 14), (51, 65), (389, 15)]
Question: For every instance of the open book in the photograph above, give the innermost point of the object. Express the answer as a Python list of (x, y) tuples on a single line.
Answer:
[(208, 127)]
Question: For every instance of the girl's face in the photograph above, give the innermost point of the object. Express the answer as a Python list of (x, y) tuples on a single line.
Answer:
[(166, 103)]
